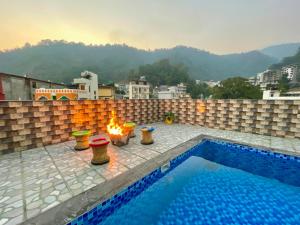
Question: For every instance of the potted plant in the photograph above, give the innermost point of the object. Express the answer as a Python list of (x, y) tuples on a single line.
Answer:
[(169, 117)]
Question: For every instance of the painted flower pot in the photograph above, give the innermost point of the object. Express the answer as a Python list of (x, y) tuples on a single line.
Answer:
[(169, 118), (129, 128), (82, 139), (99, 147), (147, 135)]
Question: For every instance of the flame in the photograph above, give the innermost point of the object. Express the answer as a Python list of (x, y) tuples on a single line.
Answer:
[(113, 127)]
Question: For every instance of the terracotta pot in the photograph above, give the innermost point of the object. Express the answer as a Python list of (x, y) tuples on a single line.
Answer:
[(82, 139), (99, 147), (147, 135)]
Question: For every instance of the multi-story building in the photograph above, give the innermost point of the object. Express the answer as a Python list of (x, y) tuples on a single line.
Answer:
[(291, 71), (139, 89), (88, 83), (16, 87), (172, 92), (106, 92), (268, 77)]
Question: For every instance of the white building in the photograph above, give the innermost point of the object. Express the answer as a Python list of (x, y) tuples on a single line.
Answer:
[(139, 89), (210, 83), (291, 71), (170, 93), (87, 83), (275, 95), (173, 92)]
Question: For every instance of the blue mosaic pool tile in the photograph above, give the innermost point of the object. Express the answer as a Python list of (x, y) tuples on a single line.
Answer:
[(106, 208)]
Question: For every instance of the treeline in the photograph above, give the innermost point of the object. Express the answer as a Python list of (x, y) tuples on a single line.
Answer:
[(62, 61)]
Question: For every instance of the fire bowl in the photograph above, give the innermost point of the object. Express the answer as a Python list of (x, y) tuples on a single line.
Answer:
[(99, 146), (119, 140), (82, 139)]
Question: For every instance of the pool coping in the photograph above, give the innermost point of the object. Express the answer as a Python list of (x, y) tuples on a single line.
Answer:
[(76, 206)]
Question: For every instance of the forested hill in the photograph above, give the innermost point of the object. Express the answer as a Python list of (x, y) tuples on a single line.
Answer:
[(288, 61), (62, 61)]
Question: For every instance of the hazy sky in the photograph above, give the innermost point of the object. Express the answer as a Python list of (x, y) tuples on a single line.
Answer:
[(219, 26)]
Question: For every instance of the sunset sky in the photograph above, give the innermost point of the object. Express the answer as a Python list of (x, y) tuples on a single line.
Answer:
[(219, 26)]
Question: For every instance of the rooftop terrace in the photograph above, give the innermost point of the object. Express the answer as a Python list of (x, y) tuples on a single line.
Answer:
[(52, 184), (44, 181)]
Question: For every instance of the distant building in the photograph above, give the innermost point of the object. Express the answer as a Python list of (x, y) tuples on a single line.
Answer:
[(16, 87), (106, 92), (172, 92), (268, 77), (88, 83), (43, 94), (253, 80), (210, 83), (291, 71), (84, 88), (275, 95), (139, 89), (122, 90)]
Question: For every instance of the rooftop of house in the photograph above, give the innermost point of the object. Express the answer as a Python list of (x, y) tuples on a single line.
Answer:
[(55, 183)]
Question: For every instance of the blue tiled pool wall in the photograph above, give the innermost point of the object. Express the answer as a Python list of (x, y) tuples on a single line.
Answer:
[(284, 168), (106, 208), (236, 153)]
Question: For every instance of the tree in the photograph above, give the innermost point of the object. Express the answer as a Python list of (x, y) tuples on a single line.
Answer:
[(198, 91), (236, 88), (161, 73), (283, 84)]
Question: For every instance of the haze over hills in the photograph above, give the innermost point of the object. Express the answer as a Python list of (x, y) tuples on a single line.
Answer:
[(281, 51), (295, 59), (62, 61)]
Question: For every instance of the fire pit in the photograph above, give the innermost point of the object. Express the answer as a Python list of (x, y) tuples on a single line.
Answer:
[(117, 134)]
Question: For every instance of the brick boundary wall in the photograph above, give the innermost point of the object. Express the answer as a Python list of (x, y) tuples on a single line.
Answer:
[(30, 124)]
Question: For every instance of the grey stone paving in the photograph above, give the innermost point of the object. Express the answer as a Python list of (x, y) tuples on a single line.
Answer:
[(36, 180)]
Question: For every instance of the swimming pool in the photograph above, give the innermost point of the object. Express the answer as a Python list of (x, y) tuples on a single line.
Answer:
[(214, 182)]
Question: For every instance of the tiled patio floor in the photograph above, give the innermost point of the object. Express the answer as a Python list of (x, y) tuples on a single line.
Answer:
[(36, 180)]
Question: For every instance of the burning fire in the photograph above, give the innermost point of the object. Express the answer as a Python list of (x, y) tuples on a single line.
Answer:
[(113, 127)]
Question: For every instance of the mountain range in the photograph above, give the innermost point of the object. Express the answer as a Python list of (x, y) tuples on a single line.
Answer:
[(62, 61)]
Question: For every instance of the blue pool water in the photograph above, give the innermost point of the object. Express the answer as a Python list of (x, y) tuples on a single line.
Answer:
[(217, 183)]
